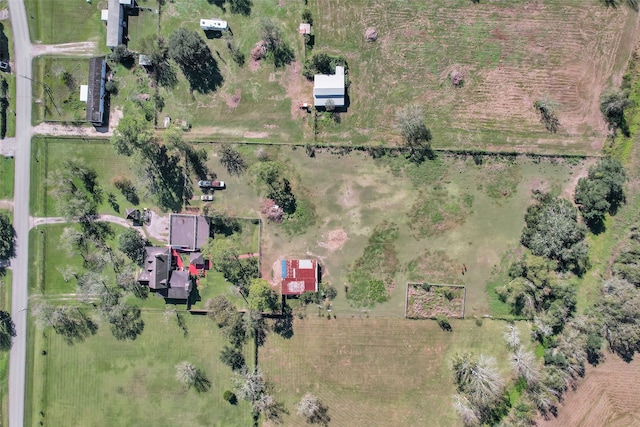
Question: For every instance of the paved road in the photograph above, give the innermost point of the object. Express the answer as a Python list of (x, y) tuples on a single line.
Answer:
[(18, 355)]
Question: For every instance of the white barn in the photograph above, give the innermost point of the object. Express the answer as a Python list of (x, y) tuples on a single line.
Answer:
[(213, 25), (329, 87)]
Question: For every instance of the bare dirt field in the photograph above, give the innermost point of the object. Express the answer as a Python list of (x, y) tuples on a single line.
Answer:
[(608, 396)]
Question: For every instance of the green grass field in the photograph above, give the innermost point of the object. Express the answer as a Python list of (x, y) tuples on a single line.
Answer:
[(49, 154), (59, 91), (105, 382), (7, 168), (377, 372), (65, 21)]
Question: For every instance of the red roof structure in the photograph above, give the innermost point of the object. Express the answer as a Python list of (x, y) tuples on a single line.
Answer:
[(299, 276)]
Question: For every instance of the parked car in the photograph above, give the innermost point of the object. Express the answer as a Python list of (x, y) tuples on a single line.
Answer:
[(218, 185), (206, 197), (204, 184), (4, 66)]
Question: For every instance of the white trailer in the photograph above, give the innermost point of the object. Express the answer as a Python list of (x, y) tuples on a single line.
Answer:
[(213, 25)]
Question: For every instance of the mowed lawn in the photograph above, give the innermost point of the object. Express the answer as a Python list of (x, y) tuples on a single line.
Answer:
[(377, 372), (49, 154), (353, 193), (7, 170), (105, 382), (65, 21), (511, 53)]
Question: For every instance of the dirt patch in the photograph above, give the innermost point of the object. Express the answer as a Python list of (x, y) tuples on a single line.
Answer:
[(333, 240), (538, 185), (158, 228), (75, 49), (295, 86), (425, 301), (606, 397), (255, 134), (234, 100), (579, 172)]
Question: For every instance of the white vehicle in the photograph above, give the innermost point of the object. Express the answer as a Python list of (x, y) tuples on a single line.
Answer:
[(206, 197), (213, 25)]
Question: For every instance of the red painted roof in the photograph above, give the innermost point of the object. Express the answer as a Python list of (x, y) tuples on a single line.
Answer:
[(178, 259), (299, 276)]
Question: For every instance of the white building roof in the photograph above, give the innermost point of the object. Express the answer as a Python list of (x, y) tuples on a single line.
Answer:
[(114, 24), (329, 86), (84, 93), (213, 24), (104, 14)]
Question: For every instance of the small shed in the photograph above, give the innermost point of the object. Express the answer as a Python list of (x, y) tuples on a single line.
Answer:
[(305, 28), (104, 15), (144, 60), (84, 93), (213, 25)]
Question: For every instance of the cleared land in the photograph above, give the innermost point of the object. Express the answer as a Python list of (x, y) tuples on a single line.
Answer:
[(606, 397), (377, 372)]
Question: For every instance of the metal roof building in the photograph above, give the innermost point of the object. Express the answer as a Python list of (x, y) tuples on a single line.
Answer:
[(188, 232), (326, 87), (115, 23), (95, 90), (299, 276)]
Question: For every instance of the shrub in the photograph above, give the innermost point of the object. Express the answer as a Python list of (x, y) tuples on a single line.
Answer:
[(230, 397)]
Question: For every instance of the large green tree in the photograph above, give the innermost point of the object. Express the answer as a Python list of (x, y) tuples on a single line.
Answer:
[(416, 135), (187, 48), (261, 297), (133, 133), (552, 231), (601, 192), (7, 236), (133, 244), (7, 331), (613, 105)]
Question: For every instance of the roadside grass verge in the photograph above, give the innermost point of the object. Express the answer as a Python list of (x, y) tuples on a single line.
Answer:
[(7, 171), (5, 305)]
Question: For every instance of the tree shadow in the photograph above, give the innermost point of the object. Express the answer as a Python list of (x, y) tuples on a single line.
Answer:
[(283, 324), (9, 331), (224, 225), (203, 75), (597, 226), (201, 382), (198, 161), (4, 45)]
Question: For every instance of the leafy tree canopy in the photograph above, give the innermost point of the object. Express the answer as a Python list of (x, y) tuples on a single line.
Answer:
[(7, 236), (133, 244), (552, 231), (261, 296)]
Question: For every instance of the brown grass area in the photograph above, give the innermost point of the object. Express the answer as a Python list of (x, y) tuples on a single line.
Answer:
[(608, 396)]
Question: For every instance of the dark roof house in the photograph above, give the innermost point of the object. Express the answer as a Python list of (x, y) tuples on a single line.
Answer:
[(299, 276), (188, 232), (159, 274), (157, 268), (96, 91)]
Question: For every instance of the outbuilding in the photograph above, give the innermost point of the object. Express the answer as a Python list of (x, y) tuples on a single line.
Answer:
[(329, 87), (299, 276)]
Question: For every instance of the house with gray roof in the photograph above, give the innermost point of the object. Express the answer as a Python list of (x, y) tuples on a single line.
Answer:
[(160, 274), (329, 87), (96, 91), (116, 14), (188, 232)]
